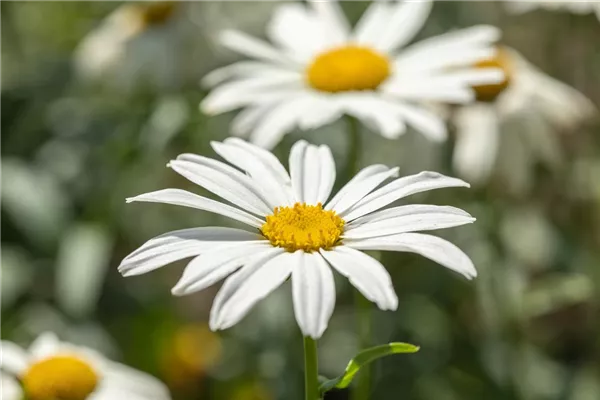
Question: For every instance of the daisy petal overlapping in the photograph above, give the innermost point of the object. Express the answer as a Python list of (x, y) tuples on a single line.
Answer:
[(295, 230), (318, 68)]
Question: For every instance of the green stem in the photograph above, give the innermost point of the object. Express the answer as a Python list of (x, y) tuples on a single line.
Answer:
[(363, 379), (362, 305), (311, 367)]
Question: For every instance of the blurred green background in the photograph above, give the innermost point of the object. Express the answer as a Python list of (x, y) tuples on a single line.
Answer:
[(82, 131)]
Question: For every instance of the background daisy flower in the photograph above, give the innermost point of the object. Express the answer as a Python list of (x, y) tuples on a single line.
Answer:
[(575, 7), (295, 231), (318, 68), (51, 369), (543, 103)]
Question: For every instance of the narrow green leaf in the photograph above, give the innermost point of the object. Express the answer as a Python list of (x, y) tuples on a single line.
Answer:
[(363, 358)]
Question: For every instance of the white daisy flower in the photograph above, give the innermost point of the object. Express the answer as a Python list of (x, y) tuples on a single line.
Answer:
[(526, 94), (572, 6), (138, 43), (295, 231), (51, 369), (318, 69)]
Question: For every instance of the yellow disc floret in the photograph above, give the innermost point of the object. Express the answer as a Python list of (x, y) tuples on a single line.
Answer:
[(303, 226), (157, 12), (60, 378), (488, 93), (347, 69)]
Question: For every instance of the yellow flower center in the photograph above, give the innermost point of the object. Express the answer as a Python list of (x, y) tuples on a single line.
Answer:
[(156, 12), (489, 93), (60, 378), (348, 68), (303, 226)]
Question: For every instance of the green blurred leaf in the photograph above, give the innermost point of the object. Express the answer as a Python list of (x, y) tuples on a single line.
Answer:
[(363, 358)]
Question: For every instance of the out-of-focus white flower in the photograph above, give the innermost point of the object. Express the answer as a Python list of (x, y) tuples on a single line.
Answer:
[(51, 369), (541, 102), (293, 234), (572, 6), (10, 389), (139, 43), (319, 68)]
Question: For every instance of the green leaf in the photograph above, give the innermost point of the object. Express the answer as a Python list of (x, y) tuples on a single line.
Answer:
[(363, 358)]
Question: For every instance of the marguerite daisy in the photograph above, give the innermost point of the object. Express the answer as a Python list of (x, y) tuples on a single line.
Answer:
[(526, 94), (318, 69), (295, 231), (572, 6), (51, 369)]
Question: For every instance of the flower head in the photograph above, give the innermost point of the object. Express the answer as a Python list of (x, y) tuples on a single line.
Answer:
[(296, 230), (318, 68), (51, 369), (538, 101)]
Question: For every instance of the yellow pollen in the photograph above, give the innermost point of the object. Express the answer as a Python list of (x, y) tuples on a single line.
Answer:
[(303, 226), (347, 69), (60, 378), (489, 93)]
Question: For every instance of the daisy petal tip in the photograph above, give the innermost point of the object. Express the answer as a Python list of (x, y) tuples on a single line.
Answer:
[(129, 200)]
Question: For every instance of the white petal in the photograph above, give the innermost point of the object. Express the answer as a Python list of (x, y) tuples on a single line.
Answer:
[(327, 169), (365, 273), (422, 89), (121, 380), (222, 180), (432, 247), (212, 266), (296, 162), (297, 29), (262, 169), (243, 92), (313, 290), (410, 218), (405, 21), (375, 111), (240, 69), (247, 119), (460, 48), (560, 103), (45, 345), (362, 175), (14, 359), (242, 290), (334, 24), (279, 121), (186, 199), (313, 172), (253, 47), (372, 23), (266, 157), (10, 389), (177, 245), (400, 188), (426, 122), (477, 140), (358, 191)]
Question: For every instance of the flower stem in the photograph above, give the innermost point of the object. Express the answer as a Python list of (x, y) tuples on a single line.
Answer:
[(362, 305), (311, 367)]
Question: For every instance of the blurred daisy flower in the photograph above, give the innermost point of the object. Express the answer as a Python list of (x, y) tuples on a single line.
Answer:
[(295, 231), (572, 6), (138, 43), (319, 68), (189, 354), (541, 103), (51, 369)]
